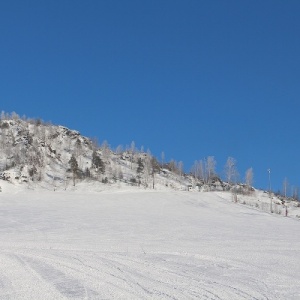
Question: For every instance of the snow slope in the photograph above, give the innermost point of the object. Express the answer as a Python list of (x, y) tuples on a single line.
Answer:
[(135, 244)]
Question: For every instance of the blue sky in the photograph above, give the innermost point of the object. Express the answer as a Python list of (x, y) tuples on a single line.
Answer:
[(190, 78)]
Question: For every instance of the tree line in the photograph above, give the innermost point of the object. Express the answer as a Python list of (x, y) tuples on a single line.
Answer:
[(36, 142)]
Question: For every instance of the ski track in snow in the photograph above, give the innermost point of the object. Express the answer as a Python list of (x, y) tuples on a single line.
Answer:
[(160, 276), (161, 245)]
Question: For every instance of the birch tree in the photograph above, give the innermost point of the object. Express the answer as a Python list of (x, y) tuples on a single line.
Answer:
[(180, 168), (210, 168), (230, 170), (249, 178), (197, 170), (105, 151)]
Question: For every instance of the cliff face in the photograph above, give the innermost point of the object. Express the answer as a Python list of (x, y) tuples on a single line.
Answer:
[(32, 151)]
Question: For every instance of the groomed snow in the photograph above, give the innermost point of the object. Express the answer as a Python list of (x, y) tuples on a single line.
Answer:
[(139, 244)]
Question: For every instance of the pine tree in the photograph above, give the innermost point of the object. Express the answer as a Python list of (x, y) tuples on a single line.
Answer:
[(87, 172), (139, 169), (98, 163), (74, 167)]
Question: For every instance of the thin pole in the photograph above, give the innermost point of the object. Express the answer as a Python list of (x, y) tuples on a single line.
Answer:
[(271, 209)]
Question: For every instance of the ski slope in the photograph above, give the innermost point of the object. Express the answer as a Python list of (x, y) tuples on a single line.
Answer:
[(135, 244)]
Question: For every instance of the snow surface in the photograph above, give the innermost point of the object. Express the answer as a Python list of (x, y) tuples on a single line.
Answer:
[(139, 244)]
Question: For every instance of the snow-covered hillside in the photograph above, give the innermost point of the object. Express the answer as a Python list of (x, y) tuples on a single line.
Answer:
[(83, 221), (143, 244), (36, 154)]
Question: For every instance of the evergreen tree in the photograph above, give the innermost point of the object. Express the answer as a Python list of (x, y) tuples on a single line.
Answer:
[(74, 167), (98, 163), (87, 172), (140, 167)]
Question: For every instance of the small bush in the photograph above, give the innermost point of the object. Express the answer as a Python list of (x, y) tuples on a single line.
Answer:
[(4, 125), (133, 181)]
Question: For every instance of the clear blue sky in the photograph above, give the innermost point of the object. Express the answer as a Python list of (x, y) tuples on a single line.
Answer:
[(190, 78)]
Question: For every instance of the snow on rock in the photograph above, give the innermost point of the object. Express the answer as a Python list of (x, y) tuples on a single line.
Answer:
[(38, 154)]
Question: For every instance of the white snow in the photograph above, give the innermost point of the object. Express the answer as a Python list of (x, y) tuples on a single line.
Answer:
[(139, 244)]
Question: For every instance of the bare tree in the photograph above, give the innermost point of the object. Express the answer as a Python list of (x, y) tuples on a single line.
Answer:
[(230, 170), (162, 158), (210, 165), (197, 170), (249, 179), (94, 144), (285, 187), (172, 165), (119, 149), (105, 150), (155, 169), (3, 138), (147, 168), (296, 193), (180, 168), (132, 151), (15, 116), (78, 151), (3, 116)]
